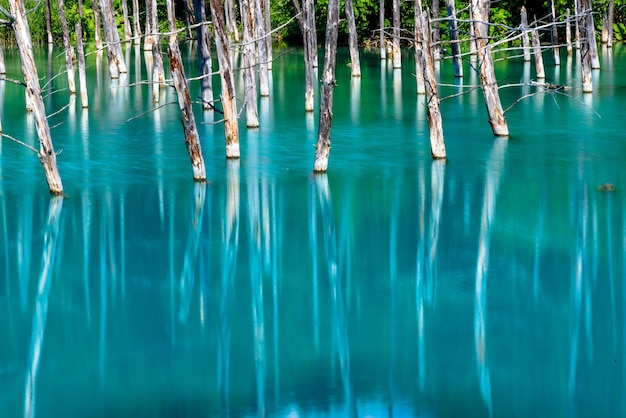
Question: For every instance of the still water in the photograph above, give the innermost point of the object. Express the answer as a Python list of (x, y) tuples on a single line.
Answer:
[(491, 284)]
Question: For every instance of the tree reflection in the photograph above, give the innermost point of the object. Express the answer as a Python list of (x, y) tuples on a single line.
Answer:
[(51, 238), (492, 183)]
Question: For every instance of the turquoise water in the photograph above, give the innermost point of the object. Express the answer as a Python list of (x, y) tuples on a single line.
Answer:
[(491, 284)]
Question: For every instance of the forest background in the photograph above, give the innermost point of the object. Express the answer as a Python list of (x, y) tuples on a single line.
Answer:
[(503, 14)]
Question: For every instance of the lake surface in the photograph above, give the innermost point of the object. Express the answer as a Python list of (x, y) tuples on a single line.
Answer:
[(489, 284)]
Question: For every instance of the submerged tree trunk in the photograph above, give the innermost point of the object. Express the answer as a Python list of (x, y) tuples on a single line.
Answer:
[(554, 35), (437, 144), (158, 72), (136, 23), (231, 20), (381, 28), (419, 68), (457, 62), (479, 13), (435, 34), (591, 35), (46, 153), (524, 30), (151, 25), (97, 21), (322, 148), (49, 23), (568, 31), (128, 33), (584, 42), (263, 59), (249, 64), (204, 56), (192, 140), (114, 48), (537, 54), (171, 19), (84, 98), (397, 57), (69, 51), (304, 21), (229, 101), (268, 32), (353, 42)]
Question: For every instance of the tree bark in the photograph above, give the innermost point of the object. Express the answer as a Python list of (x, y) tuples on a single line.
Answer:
[(568, 31), (268, 31), (437, 144), (610, 17), (322, 148), (192, 140), (249, 64), (151, 24), (229, 102), (259, 27), (309, 70), (524, 29), (457, 62), (381, 28), (127, 29), (46, 153), (69, 51), (80, 50), (419, 68), (554, 35), (171, 19), (136, 23), (537, 54), (204, 56), (489, 85), (353, 42), (231, 20), (584, 42), (97, 21), (49, 23), (397, 57), (158, 73), (114, 48), (3, 68), (435, 34), (591, 35)]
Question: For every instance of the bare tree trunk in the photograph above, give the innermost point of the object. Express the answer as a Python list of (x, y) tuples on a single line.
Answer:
[(136, 23), (158, 73), (537, 54), (97, 21), (310, 6), (268, 32), (127, 30), (231, 20), (457, 62), (584, 42), (322, 148), (229, 101), (381, 28), (204, 56), (591, 35), (192, 140), (419, 49), (114, 48), (577, 22), (259, 26), (437, 144), (46, 153), (3, 68), (353, 42), (524, 29), (488, 82), (249, 64), (69, 51), (171, 19), (435, 34), (554, 35), (49, 23), (307, 33), (397, 57), (568, 31), (84, 99), (151, 25), (610, 17)]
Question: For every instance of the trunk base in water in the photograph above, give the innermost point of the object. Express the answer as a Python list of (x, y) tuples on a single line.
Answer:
[(321, 159), (232, 150)]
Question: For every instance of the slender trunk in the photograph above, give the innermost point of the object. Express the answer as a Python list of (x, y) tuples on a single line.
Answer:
[(49, 23), (231, 20), (610, 17), (259, 27), (3, 68), (268, 32), (577, 22), (524, 30), (80, 50), (568, 31), (310, 6), (204, 56), (69, 50), (591, 35), (158, 73), (171, 19), (151, 24), (488, 80), (46, 153), (381, 28), (136, 23), (229, 101), (322, 148), (307, 33), (127, 29), (192, 140), (97, 21), (419, 68), (554, 35), (114, 48), (435, 34), (537, 54), (585, 53), (249, 64), (457, 62), (397, 57), (353, 42), (437, 145)]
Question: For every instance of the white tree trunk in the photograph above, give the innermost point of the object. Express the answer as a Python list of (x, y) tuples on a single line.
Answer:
[(353, 42), (82, 77), (249, 64)]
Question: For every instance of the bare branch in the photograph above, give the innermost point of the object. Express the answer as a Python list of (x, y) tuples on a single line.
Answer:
[(18, 141)]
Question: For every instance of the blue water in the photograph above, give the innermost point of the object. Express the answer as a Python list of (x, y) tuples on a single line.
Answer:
[(491, 284)]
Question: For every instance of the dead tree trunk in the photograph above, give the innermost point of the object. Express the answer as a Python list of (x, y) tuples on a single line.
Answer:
[(128, 33), (263, 59), (49, 23), (584, 42), (435, 34), (353, 42), (82, 78), (381, 28), (419, 68), (397, 57), (117, 64), (231, 20), (229, 101), (3, 68), (457, 62), (609, 23), (249, 64), (69, 51), (479, 14), (304, 21), (171, 19), (427, 61), (158, 73), (541, 73), (524, 30), (46, 153), (204, 56), (192, 140), (97, 22), (591, 35), (322, 148), (554, 35), (136, 23), (568, 31), (151, 24)]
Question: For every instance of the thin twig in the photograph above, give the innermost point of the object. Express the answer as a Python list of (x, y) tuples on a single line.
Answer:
[(18, 141)]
